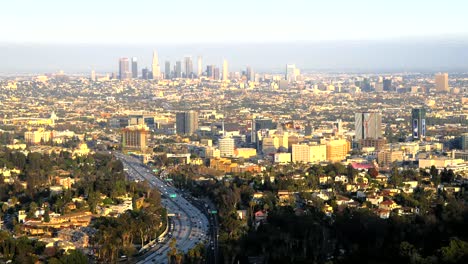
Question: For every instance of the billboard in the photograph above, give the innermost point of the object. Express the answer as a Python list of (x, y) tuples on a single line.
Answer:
[(415, 129), (423, 127)]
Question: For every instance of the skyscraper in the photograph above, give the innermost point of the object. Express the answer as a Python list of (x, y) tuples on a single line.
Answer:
[(225, 70), (167, 70), (178, 69), (93, 76), (291, 72), (441, 82), (124, 72), (209, 71), (145, 74), (216, 73), (250, 74), (188, 67), (134, 68), (186, 122), (418, 123), (199, 67), (368, 125), (155, 66), (387, 85)]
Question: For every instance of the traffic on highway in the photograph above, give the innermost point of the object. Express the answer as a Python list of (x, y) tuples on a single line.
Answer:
[(188, 225)]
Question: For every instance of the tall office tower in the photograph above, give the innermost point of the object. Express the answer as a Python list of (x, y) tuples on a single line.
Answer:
[(155, 67), (93, 76), (464, 139), (167, 70), (199, 67), (209, 71), (441, 82), (387, 85), (186, 122), (291, 72), (418, 123), (216, 73), (250, 74), (188, 67), (135, 137), (225, 70), (226, 147), (134, 68), (144, 74), (178, 69), (124, 72), (368, 125), (258, 124)]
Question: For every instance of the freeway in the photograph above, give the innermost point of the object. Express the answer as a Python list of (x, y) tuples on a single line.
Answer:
[(189, 227)]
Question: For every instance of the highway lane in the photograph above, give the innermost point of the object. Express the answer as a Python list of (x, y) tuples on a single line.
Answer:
[(190, 225)]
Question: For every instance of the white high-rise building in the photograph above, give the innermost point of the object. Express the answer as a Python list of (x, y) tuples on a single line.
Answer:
[(226, 147), (93, 75), (155, 67), (199, 66), (368, 125), (291, 72), (225, 70)]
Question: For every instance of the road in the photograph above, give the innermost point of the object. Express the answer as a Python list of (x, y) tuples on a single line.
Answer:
[(190, 225)]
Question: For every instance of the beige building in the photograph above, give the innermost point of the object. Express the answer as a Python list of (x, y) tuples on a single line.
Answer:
[(441, 82), (135, 137), (386, 157), (282, 157), (245, 153), (309, 153), (439, 162), (337, 149), (37, 137)]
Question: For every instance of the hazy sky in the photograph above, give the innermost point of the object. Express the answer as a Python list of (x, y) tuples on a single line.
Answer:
[(351, 35), (182, 21)]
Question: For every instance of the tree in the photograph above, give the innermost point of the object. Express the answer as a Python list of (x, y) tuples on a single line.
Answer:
[(455, 252), (74, 257)]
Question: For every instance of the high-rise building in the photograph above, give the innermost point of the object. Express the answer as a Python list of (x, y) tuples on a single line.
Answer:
[(225, 70), (250, 74), (337, 149), (368, 125), (93, 76), (178, 69), (291, 72), (464, 139), (155, 67), (188, 67), (216, 73), (124, 72), (210, 71), (167, 70), (258, 124), (199, 67), (387, 85), (145, 74), (226, 147), (134, 68), (186, 122), (309, 153), (418, 123), (135, 137), (441, 82)]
